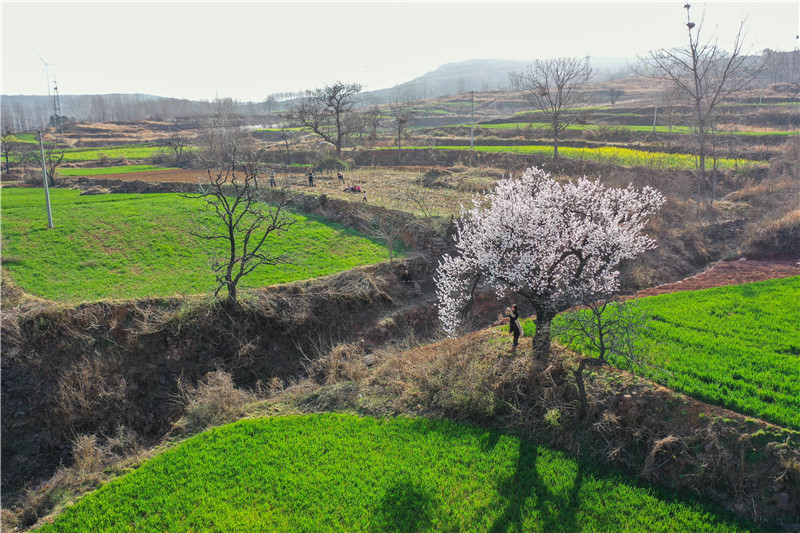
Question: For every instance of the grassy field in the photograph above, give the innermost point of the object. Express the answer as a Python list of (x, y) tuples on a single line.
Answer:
[(345, 473), (114, 152), (27, 137), (609, 154), (736, 346), (106, 170), (134, 246)]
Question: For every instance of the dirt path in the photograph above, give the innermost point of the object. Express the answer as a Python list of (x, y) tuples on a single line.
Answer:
[(730, 273)]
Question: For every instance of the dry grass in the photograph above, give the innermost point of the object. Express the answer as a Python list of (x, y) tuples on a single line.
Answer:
[(212, 402), (781, 236), (96, 460)]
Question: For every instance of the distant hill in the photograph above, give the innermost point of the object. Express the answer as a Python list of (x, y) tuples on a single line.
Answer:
[(476, 75)]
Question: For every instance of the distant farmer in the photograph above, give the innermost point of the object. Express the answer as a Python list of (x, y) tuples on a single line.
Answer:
[(340, 176), (405, 277), (272, 178), (513, 323), (365, 197), (311, 178)]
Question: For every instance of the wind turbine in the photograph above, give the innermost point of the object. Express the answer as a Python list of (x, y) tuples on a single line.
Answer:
[(46, 71)]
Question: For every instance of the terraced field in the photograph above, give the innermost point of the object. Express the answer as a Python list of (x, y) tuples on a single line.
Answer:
[(136, 246), (736, 346), (113, 152), (344, 473)]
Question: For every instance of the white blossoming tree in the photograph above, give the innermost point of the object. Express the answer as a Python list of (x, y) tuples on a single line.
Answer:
[(551, 243)]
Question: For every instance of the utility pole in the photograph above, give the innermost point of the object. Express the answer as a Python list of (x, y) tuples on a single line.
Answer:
[(655, 115), (46, 187), (57, 107), (472, 120)]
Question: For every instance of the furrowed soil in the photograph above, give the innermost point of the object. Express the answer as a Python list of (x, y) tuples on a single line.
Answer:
[(730, 273)]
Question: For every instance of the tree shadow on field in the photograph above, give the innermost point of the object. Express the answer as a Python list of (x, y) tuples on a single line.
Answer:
[(553, 505), (406, 506)]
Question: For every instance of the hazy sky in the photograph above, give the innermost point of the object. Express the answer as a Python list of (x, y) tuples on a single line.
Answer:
[(247, 50)]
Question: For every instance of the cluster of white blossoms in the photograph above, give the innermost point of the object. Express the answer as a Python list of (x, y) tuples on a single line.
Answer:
[(544, 240)]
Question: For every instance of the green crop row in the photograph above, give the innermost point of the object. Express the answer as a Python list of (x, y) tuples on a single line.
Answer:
[(609, 154), (736, 346), (106, 170), (114, 152), (537, 111), (135, 246), (26, 137), (334, 472)]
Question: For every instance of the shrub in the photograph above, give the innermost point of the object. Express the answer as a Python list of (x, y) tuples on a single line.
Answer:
[(331, 164), (212, 402)]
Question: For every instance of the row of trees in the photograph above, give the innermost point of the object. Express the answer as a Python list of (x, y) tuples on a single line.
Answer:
[(703, 75)]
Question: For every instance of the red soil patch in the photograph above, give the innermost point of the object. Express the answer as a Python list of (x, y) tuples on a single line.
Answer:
[(730, 273)]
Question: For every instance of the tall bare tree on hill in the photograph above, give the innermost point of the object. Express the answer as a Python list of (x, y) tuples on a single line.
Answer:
[(373, 119), (403, 114), (705, 75), (555, 87), (325, 111)]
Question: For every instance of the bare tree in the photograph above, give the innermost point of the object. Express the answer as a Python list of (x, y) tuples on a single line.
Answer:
[(179, 145), (325, 111), (373, 118), (288, 138), (242, 218), (611, 328), (10, 144), (614, 95), (53, 156), (705, 75), (223, 135), (555, 88), (386, 226), (403, 114)]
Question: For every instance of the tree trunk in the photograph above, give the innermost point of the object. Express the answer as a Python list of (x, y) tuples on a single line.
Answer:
[(555, 144), (578, 373), (541, 339), (702, 155)]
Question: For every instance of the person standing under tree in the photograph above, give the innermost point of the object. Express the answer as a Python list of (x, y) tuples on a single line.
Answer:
[(311, 178), (271, 178), (514, 327)]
